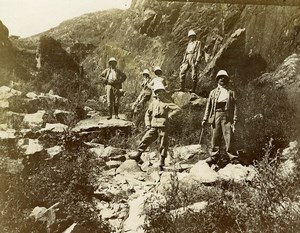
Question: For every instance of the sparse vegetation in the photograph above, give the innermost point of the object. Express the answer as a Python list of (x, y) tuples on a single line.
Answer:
[(268, 204)]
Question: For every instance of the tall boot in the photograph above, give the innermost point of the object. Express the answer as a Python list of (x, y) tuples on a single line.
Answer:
[(110, 112), (194, 86), (116, 108)]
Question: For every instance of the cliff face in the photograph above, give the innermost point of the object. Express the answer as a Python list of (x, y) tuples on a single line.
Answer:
[(154, 33)]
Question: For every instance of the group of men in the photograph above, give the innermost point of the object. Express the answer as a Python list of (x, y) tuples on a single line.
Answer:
[(220, 112)]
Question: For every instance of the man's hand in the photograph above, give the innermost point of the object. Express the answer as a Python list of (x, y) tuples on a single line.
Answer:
[(148, 127), (203, 123)]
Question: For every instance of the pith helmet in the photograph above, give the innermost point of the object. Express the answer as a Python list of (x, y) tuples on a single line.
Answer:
[(158, 86), (112, 59), (157, 68), (222, 73), (146, 71), (191, 33)]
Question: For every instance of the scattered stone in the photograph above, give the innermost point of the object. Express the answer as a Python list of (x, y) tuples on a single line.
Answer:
[(113, 164), (136, 216), (110, 152), (55, 128), (98, 151), (196, 208), (54, 151), (107, 213), (237, 173), (188, 152), (167, 182), (34, 120), (203, 173), (129, 166), (7, 135), (31, 146), (12, 166)]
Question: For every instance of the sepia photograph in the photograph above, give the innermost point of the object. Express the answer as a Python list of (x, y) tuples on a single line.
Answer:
[(149, 116)]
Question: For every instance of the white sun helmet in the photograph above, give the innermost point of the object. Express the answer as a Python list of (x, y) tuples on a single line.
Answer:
[(112, 59), (158, 86), (222, 73), (146, 71), (157, 68), (191, 33)]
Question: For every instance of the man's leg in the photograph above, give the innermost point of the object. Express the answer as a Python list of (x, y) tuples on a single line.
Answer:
[(150, 136), (109, 95), (229, 139), (183, 69), (116, 102), (164, 145), (194, 77), (216, 139)]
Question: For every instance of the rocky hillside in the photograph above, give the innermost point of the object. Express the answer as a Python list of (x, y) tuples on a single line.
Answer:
[(65, 168)]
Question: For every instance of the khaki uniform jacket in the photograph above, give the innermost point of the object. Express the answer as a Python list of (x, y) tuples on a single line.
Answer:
[(195, 51), (159, 112), (230, 107), (114, 80)]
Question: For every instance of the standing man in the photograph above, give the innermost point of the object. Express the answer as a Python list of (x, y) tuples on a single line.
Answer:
[(190, 60), (221, 113), (157, 122), (145, 94), (113, 81)]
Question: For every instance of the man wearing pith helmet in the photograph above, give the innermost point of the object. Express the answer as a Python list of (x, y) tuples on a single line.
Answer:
[(190, 60), (157, 79), (113, 81), (145, 93), (157, 117), (221, 113)]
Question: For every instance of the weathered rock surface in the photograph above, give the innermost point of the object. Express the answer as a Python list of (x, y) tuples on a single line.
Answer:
[(237, 173), (201, 172), (129, 166), (34, 120)]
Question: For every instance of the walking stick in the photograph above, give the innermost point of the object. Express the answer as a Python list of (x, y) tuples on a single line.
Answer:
[(200, 139)]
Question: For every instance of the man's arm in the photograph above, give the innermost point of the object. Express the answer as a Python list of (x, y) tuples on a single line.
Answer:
[(148, 116), (208, 108), (198, 49), (235, 115), (174, 110)]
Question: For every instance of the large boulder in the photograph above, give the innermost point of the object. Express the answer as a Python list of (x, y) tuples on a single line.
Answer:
[(187, 98), (201, 172), (237, 173)]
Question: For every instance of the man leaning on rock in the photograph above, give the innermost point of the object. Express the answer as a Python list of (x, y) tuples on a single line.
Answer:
[(221, 113), (113, 81)]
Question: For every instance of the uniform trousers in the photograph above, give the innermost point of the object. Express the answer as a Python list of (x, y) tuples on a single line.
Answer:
[(189, 63), (112, 95), (151, 135), (220, 128)]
